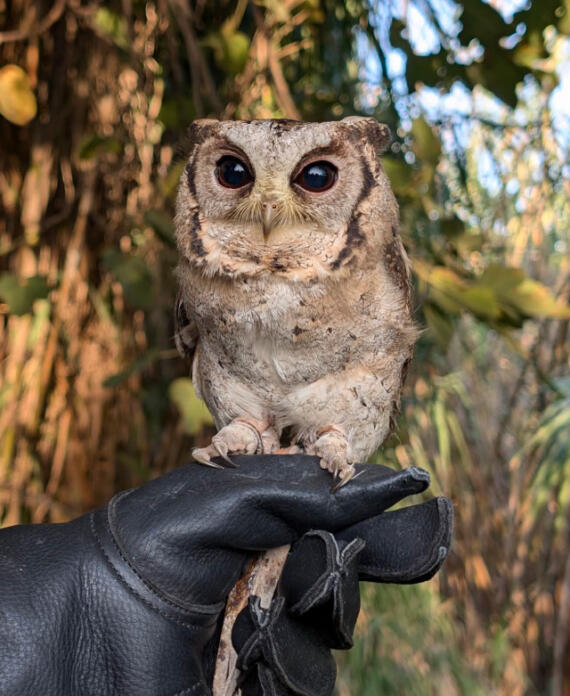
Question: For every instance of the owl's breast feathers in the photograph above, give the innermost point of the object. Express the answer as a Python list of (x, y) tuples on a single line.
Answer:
[(285, 332)]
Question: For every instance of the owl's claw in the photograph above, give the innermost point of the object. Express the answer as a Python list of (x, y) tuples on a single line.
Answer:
[(222, 449), (202, 456), (331, 445), (340, 481), (241, 436)]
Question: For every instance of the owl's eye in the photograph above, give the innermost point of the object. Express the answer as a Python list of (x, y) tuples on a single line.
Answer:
[(232, 172), (317, 177)]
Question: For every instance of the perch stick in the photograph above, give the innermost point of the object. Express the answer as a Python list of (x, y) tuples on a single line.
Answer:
[(261, 580)]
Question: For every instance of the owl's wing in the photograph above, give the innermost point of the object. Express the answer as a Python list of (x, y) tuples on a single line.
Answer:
[(185, 330)]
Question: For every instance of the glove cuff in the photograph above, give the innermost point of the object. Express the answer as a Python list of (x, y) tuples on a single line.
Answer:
[(196, 618)]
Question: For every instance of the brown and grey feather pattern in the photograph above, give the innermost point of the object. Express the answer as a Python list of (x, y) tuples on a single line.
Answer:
[(294, 303)]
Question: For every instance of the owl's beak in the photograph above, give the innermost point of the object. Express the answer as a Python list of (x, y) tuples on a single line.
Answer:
[(269, 210)]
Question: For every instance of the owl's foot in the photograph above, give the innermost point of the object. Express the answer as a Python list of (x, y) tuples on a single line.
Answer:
[(241, 436), (331, 446)]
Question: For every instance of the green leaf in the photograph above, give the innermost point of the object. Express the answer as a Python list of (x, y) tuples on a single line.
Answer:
[(93, 145), (236, 50), (446, 287), (400, 176), (501, 278), (231, 49), (112, 25), (177, 112), (536, 300), (440, 326), (427, 146), (134, 276), (162, 226), (193, 411), (141, 363), (481, 301), (21, 293)]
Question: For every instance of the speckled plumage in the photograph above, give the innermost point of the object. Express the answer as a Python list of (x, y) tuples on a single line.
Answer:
[(304, 330)]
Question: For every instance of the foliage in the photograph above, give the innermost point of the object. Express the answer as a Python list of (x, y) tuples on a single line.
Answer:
[(94, 102)]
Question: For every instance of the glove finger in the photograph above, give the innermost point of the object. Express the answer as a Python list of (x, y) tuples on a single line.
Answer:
[(291, 494), (320, 585), (218, 517), (291, 650), (260, 680), (268, 501), (404, 546)]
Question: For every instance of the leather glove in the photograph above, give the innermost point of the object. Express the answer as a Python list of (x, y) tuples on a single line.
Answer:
[(128, 599), (286, 649)]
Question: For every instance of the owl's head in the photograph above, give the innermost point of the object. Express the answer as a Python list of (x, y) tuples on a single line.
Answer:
[(298, 199)]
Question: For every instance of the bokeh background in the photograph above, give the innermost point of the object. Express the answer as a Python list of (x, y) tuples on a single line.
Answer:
[(95, 100)]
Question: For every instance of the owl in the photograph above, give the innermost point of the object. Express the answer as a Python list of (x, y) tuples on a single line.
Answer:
[(294, 288)]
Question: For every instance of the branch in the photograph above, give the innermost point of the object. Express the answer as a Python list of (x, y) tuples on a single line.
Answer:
[(200, 71), (20, 34)]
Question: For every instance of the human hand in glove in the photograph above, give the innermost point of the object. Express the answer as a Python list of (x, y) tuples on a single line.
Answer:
[(128, 599), (286, 649)]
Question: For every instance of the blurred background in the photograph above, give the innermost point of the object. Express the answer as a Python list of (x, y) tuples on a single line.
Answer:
[(95, 100)]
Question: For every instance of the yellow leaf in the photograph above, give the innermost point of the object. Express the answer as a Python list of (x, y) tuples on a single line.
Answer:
[(193, 410), (536, 300), (17, 101)]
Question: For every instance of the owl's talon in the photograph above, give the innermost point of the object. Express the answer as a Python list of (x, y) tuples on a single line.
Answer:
[(346, 475), (240, 436), (222, 449), (202, 456)]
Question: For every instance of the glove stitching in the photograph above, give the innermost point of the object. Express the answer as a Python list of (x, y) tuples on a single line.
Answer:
[(263, 620), (321, 587), (338, 612), (349, 552), (201, 608), (282, 675), (336, 560), (347, 555), (267, 619), (316, 594), (132, 591)]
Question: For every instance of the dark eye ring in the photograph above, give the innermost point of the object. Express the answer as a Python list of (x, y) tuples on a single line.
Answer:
[(317, 176), (232, 173)]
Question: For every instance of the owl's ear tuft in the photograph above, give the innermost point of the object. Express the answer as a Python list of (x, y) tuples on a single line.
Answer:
[(377, 134), (201, 129)]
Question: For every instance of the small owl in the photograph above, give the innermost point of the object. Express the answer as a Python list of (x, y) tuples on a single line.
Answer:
[(294, 300)]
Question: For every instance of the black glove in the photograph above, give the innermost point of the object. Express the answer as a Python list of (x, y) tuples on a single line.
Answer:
[(285, 650), (128, 599)]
